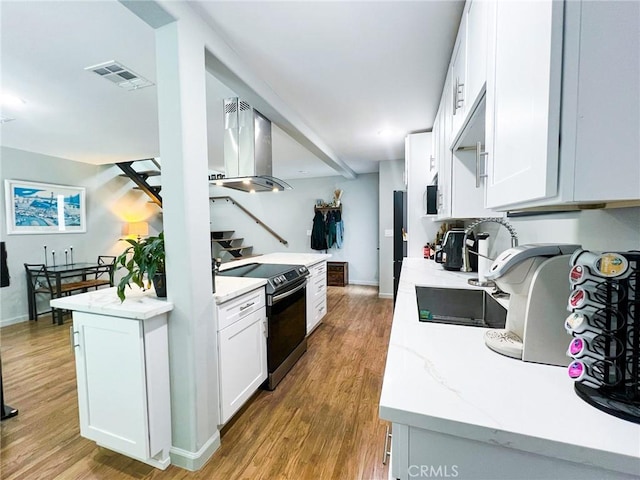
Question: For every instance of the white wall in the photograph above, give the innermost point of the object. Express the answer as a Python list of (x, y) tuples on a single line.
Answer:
[(290, 214), (110, 202), (391, 178), (598, 230)]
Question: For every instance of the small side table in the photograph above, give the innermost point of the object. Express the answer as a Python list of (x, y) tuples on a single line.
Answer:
[(337, 274)]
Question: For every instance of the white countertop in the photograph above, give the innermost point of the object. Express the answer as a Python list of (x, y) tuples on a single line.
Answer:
[(285, 258), (443, 378), (228, 288), (138, 305)]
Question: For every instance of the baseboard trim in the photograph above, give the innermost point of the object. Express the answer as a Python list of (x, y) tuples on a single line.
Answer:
[(14, 320), (386, 295), (194, 461), (363, 282)]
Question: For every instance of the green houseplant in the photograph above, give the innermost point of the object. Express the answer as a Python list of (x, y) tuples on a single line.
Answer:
[(142, 257)]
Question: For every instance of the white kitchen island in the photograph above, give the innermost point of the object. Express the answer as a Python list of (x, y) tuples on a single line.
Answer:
[(122, 368), (461, 410)]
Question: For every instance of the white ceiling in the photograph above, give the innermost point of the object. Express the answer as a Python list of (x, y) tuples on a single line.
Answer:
[(348, 69)]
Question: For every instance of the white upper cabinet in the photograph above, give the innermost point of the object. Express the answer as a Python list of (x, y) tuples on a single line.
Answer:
[(458, 72), (523, 101), (476, 56), (563, 123)]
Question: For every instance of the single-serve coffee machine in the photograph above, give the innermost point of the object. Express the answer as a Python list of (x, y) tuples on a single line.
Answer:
[(535, 276)]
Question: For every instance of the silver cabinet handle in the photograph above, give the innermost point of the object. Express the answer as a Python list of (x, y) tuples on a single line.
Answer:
[(72, 339), (247, 306), (455, 96), (265, 328), (386, 451), (460, 93), (479, 155)]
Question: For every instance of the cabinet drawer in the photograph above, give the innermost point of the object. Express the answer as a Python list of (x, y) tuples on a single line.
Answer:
[(318, 268), (233, 310)]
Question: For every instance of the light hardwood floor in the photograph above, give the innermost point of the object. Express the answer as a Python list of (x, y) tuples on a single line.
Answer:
[(320, 423)]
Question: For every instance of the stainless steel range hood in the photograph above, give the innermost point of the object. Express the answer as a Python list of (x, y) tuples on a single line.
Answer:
[(247, 150)]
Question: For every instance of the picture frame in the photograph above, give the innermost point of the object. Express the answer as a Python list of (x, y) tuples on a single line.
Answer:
[(44, 208)]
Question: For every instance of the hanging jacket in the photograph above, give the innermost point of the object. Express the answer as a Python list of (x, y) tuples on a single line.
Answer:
[(331, 229), (318, 233), (339, 230)]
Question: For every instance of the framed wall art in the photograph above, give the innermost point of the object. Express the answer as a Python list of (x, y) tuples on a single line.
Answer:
[(33, 208)]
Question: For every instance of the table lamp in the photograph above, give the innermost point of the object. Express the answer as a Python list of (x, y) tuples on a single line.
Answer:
[(137, 229)]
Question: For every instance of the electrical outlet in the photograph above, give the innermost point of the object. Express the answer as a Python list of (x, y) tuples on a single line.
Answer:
[(308, 233)]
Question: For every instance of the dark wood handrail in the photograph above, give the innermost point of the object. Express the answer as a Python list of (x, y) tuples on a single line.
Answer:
[(256, 219)]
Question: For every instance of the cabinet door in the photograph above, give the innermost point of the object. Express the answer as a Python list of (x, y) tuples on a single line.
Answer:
[(316, 295), (476, 55), (444, 161), (523, 101), (242, 361), (458, 67), (112, 396)]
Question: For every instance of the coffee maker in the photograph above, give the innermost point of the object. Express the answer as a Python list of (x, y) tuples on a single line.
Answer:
[(535, 276)]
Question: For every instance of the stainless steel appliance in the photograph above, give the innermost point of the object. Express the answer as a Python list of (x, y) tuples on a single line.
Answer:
[(399, 236), (247, 150), (450, 256), (286, 313)]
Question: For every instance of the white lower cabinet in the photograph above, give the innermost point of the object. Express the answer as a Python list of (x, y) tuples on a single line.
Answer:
[(122, 368), (242, 350), (417, 453), (316, 295)]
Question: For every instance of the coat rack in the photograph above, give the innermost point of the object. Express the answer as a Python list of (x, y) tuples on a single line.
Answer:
[(328, 209)]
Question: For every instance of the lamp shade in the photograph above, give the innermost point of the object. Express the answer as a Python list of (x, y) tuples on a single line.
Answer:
[(136, 229)]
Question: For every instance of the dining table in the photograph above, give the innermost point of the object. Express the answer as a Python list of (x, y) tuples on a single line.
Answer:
[(59, 273)]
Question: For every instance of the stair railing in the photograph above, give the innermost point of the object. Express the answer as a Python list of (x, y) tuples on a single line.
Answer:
[(253, 217)]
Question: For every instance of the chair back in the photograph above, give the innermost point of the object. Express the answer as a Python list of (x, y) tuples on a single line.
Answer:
[(37, 276), (106, 263)]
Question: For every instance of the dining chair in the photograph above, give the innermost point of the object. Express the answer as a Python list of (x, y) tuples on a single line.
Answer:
[(104, 273), (38, 283)]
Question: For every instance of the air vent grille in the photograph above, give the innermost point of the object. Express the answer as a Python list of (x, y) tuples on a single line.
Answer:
[(120, 75), (244, 106)]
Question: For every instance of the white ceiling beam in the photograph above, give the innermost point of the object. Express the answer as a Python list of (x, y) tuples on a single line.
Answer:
[(223, 62)]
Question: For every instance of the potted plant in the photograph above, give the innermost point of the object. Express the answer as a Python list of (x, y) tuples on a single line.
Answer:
[(143, 257)]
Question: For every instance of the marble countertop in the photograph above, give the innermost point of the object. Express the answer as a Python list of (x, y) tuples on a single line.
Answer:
[(306, 259), (138, 304), (443, 378), (228, 288)]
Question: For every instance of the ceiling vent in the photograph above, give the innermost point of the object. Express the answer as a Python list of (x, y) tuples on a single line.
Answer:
[(120, 75)]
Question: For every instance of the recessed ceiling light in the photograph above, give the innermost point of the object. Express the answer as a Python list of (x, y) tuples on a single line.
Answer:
[(388, 132), (10, 100)]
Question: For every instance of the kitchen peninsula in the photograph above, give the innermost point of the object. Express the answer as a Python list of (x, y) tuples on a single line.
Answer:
[(459, 408)]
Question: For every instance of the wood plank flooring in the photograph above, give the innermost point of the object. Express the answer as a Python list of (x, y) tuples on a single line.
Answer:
[(320, 423)]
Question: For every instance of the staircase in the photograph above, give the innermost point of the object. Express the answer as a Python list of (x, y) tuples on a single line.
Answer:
[(223, 242), (141, 177)]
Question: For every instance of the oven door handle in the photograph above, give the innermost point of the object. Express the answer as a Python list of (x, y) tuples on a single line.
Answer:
[(277, 298)]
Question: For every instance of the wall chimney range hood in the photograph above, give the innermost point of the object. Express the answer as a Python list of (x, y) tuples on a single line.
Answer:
[(247, 150)]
